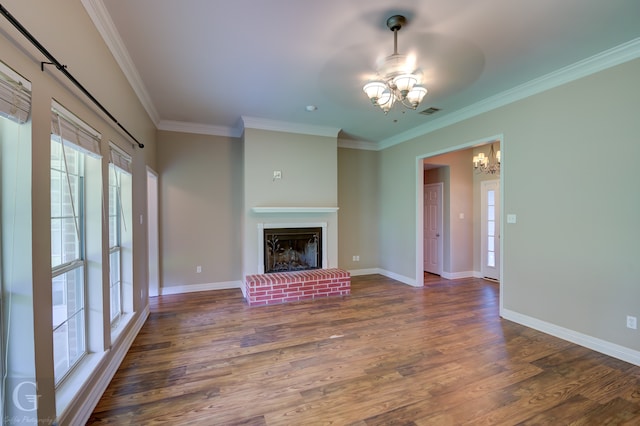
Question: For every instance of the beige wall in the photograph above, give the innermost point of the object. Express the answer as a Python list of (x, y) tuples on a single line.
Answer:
[(59, 26), (200, 210), (358, 219), (309, 179), (569, 261)]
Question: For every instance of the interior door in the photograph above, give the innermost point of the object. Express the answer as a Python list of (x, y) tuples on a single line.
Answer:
[(433, 240), (490, 229)]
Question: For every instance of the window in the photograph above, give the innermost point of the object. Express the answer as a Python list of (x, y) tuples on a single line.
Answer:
[(71, 143), (15, 229), (119, 233), (115, 242)]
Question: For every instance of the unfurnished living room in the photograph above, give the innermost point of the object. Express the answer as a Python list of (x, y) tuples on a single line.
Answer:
[(354, 212)]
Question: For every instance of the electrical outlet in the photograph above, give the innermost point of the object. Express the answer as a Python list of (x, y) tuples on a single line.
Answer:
[(356, 258), (277, 174), (632, 322)]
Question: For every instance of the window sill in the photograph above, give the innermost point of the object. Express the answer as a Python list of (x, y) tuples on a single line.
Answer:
[(119, 326), (73, 385)]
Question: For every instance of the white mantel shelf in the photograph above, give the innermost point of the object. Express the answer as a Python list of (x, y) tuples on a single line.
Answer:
[(295, 209)]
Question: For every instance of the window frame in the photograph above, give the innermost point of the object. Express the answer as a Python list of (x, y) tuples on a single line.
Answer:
[(114, 316), (78, 264)]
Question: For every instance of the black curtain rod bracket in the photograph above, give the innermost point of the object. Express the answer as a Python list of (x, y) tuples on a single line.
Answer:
[(61, 68), (42, 64)]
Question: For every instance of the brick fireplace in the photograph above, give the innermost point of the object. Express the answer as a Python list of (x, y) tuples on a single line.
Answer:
[(282, 287), (292, 265)]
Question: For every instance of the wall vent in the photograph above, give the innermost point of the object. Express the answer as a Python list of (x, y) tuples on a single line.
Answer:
[(430, 111)]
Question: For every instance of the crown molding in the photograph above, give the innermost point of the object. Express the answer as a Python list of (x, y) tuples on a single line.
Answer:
[(201, 129), (283, 126), (601, 61), (103, 22), (357, 144), (294, 209)]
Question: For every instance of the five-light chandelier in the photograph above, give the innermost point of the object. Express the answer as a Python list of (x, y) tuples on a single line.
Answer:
[(489, 165), (397, 80)]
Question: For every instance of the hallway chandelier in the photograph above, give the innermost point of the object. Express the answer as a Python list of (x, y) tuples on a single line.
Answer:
[(489, 165), (397, 79)]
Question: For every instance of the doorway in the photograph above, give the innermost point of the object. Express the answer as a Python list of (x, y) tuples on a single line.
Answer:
[(433, 228), (458, 216)]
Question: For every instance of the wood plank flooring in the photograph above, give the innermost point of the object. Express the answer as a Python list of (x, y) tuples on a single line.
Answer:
[(389, 354)]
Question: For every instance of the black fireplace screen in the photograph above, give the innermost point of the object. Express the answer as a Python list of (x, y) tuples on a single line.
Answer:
[(292, 249)]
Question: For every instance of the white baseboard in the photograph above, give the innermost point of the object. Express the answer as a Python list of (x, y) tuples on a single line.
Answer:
[(388, 274), (370, 271), (398, 277), (598, 345), (177, 289), (458, 275), (87, 401)]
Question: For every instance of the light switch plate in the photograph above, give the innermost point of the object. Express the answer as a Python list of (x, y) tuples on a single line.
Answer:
[(511, 218)]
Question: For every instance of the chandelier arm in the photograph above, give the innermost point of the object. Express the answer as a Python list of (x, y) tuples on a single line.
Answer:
[(404, 103)]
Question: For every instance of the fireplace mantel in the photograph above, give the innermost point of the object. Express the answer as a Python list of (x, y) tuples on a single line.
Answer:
[(295, 209)]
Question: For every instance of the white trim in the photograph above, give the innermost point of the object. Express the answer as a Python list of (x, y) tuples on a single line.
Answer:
[(79, 409), (262, 226), (283, 126), (57, 108), (457, 275), (370, 271), (105, 26), (398, 277), (356, 144), (192, 288), (9, 72), (598, 345), (295, 209), (197, 128), (119, 150), (383, 272), (601, 61)]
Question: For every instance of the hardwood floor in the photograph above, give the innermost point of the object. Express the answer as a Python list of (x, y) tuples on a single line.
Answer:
[(389, 354)]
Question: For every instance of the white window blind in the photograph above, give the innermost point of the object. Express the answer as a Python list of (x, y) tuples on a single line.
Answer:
[(15, 95), (74, 131), (120, 159)]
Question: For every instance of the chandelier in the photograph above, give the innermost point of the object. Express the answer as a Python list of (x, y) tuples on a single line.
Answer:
[(489, 165), (397, 80)]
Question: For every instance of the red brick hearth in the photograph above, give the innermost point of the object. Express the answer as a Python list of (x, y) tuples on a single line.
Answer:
[(281, 287)]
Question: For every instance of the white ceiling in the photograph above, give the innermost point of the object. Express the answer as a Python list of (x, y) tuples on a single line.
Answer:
[(204, 64)]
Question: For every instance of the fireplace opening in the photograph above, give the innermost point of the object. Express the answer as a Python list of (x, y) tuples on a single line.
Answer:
[(292, 249)]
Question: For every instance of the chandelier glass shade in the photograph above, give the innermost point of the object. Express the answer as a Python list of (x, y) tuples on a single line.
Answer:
[(487, 164), (397, 80)]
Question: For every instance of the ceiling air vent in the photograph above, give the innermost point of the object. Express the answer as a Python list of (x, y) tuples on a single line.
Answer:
[(430, 111)]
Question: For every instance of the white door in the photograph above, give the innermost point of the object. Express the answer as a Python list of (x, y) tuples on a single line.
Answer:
[(490, 229), (152, 223), (433, 240)]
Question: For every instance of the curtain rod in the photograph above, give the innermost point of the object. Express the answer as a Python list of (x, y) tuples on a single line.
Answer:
[(62, 68)]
